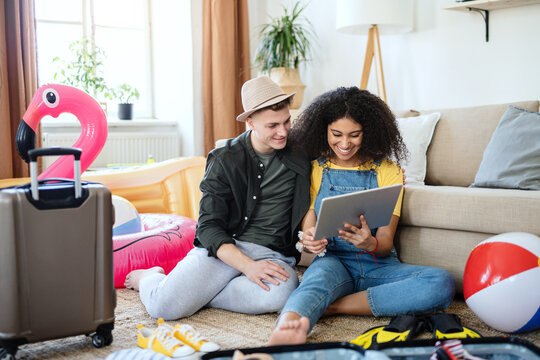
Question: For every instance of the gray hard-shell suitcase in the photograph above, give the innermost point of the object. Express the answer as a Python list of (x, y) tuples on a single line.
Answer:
[(500, 348), (56, 263)]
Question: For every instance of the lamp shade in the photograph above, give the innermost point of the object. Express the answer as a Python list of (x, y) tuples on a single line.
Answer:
[(390, 16)]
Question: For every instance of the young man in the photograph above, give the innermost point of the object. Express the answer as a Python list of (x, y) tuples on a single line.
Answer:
[(255, 194)]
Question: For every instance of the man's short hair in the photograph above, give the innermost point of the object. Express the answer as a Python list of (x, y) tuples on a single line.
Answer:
[(275, 107)]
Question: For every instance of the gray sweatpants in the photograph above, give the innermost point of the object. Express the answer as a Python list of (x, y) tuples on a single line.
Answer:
[(199, 280)]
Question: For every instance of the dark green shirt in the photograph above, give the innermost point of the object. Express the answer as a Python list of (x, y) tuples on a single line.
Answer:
[(270, 222)]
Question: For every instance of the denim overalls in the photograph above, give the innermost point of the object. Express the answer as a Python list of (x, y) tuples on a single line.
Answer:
[(392, 287)]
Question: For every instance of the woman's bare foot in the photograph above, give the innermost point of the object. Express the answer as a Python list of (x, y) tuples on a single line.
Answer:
[(134, 277), (290, 332)]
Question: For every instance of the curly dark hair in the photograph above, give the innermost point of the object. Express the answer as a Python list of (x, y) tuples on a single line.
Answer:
[(381, 138)]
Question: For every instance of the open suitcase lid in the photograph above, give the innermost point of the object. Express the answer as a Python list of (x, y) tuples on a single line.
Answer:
[(508, 348), (330, 350)]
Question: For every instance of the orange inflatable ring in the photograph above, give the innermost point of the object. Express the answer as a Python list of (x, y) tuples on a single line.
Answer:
[(166, 240)]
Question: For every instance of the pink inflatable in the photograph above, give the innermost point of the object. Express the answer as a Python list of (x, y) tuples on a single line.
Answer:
[(54, 99), (166, 239)]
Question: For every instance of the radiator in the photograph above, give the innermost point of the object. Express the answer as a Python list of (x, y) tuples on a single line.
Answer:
[(122, 148)]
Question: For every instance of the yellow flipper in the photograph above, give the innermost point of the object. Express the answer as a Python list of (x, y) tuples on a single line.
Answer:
[(466, 333), (378, 336), (401, 328)]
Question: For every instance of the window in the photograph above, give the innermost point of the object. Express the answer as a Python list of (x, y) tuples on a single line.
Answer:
[(121, 28)]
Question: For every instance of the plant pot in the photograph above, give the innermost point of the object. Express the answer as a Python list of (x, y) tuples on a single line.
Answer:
[(125, 111), (289, 80)]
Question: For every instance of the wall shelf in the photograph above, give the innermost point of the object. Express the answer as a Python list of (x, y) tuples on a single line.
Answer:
[(490, 4), (483, 7)]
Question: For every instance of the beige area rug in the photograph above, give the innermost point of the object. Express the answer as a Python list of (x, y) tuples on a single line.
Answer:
[(230, 330)]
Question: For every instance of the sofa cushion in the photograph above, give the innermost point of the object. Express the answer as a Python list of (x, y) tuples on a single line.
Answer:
[(512, 157), (416, 133), (459, 140), (483, 210)]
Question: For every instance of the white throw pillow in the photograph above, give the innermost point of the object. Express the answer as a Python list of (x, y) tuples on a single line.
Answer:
[(416, 133)]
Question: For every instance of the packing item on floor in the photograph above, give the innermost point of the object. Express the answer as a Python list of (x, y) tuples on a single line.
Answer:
[(180, 341)]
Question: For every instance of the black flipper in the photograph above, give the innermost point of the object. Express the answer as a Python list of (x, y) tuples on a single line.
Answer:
[(448, 326)]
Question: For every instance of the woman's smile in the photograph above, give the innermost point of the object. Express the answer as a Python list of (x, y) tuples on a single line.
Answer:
[(345, 140)]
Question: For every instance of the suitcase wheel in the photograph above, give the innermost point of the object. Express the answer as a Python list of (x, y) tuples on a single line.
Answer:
[(8, 353), (100, 340), (102, 337)]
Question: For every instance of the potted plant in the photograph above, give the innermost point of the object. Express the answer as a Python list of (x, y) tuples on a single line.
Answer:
[(125, 94), (85, 68), (285, 42)]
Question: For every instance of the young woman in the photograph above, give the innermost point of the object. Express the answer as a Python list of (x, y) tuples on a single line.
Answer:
[(352, 135)]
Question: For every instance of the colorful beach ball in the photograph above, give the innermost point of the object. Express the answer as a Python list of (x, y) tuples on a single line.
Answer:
[(126, 217), (501, 283)]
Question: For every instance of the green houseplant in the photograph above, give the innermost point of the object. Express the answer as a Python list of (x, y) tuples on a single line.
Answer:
[(125, 94), (84, 70), (285, 42)]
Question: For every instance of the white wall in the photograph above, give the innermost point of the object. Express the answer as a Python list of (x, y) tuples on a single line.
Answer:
[(198, 119), (444, 62)]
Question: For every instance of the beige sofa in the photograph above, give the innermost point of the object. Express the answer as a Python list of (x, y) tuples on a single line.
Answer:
[(445, 219)]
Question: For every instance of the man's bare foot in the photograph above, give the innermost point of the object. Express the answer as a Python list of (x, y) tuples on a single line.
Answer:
[(134, 277), (290, 332)]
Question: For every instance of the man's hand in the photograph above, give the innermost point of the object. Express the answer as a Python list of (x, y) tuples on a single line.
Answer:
[(312, 245), (257, 271)]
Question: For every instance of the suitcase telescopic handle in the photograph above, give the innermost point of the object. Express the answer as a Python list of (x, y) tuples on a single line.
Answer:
[(55, 151)]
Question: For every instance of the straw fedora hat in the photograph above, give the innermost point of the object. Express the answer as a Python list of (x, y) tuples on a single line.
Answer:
[(259, 93)]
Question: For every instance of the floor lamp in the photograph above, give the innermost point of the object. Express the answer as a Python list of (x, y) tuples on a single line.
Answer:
[(386, 16)]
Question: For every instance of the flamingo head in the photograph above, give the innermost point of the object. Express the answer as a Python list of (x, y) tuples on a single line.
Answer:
[(49, 99)]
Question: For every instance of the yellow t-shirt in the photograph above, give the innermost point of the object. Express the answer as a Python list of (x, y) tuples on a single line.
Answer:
[(388, 173)]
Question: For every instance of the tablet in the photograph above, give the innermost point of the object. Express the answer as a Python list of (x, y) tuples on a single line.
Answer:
[(377, 206)]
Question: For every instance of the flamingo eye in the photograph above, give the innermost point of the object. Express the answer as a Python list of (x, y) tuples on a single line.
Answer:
[(50, 98)]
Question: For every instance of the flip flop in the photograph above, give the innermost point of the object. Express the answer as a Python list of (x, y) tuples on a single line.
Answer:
[(401, 328), (448, 326)]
